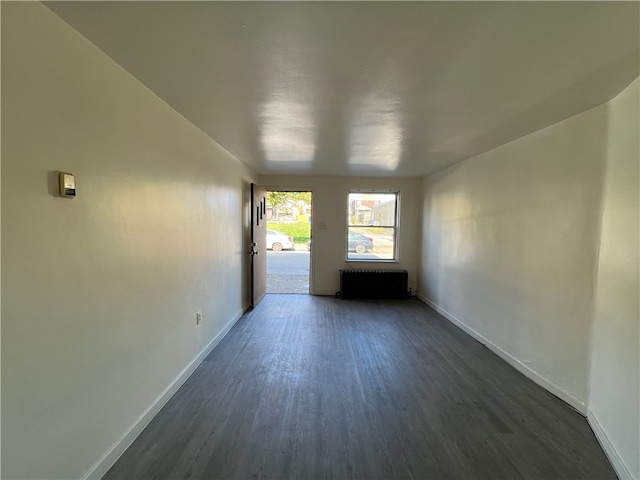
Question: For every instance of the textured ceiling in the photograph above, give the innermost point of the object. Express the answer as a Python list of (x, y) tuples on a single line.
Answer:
[(368, 88)]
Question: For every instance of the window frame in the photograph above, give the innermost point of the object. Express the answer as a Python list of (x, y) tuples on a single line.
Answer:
[(396, 227)]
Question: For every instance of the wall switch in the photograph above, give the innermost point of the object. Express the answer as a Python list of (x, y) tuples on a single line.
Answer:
[(198, 318)]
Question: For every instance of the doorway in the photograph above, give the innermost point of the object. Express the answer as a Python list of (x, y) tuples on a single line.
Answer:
[(288, 241)]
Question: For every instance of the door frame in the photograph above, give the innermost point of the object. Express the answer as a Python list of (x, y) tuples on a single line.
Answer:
[(276, 188)]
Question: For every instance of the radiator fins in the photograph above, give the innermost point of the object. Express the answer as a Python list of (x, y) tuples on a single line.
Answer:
[(374, 284)]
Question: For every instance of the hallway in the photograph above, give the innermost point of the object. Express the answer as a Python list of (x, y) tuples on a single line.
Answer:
[(509, 134)]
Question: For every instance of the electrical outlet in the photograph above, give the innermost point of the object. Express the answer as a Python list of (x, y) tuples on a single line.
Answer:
[(198, 318)]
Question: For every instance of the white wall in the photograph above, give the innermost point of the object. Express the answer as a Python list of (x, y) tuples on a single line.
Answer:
[(509, 243), (330, 206), (533, 249), (100, 292), (614, 398)]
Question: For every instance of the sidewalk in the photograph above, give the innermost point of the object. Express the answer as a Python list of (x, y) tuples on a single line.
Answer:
[(287, 283), (288, 271)]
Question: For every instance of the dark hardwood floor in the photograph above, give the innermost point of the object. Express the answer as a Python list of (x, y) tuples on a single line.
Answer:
[(315, 387)]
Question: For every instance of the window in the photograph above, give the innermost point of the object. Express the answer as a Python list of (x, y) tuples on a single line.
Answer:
[(373, 225)]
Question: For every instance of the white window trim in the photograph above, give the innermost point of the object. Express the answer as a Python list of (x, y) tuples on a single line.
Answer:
[(396, 227)]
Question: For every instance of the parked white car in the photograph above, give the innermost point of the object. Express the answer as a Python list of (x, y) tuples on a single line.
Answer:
[(278, 241)]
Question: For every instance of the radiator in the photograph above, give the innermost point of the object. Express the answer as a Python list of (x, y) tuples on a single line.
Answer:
[(374, 284)]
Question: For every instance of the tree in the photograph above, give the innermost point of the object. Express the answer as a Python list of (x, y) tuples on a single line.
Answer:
[(301, 197), (279, 199)]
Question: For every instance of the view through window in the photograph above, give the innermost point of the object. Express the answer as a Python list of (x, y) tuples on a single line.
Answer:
[(373, 225)]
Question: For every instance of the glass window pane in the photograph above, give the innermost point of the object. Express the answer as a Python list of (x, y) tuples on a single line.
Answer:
[(374, 209), (371, 243), (372, 229)]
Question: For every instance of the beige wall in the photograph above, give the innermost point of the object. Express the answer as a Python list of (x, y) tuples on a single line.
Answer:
[(100, 292), (614, 398), (330, 207), (510, 244)]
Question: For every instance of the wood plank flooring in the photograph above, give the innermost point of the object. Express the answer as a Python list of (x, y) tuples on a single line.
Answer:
[(316, 387)]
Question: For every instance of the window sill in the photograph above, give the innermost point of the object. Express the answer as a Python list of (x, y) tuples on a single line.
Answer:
[(370, 260)]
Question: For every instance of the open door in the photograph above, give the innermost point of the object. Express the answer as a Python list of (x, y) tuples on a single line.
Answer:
[(258, 244)]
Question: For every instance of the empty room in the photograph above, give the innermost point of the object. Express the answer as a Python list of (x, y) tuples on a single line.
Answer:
[(472, 309)]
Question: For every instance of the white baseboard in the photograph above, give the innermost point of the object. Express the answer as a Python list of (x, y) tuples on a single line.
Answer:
[(102, 466), (618, 465), (545, 383)]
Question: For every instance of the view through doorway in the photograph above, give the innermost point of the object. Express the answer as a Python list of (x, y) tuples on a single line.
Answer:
[(288, 241)]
